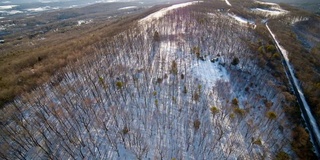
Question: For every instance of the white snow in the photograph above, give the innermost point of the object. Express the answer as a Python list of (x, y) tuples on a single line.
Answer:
[(164, 11), (209, 73), (294, 20), (7, 7), (296, 84), (39, 9), (228, 3), (269, 12), (73, 6), (272, 9), (129, 7), (45, 2), (12, 12), (80, 22), (267, 3), (241, 19)]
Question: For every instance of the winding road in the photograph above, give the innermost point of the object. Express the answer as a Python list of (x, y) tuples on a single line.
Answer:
[(309, 119)]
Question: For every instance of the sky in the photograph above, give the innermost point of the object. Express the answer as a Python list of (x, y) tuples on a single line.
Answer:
[(293, 1)]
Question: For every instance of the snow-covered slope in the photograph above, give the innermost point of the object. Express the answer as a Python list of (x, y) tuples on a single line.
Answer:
[(269, 9), (164, 11)]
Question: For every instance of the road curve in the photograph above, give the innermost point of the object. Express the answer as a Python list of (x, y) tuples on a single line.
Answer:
[(309, 119)]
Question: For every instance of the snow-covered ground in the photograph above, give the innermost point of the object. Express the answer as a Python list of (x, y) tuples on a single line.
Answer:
[(129, 7), (228, 3), (40, 9), (7, 7), (4, 27), (269, 12), (81, 22), (209, 73), (267, 3), (146, 94), (242, 20), (11, 12), (164, 11)]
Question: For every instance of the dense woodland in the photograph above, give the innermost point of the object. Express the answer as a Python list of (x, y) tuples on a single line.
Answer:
[(194, 84)]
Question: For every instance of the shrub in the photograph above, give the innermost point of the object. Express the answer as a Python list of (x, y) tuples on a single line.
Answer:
[(156, 36), (125, 130), (156, 102), (257, 142), (235, 61), (119, 84), (196, 96), (196, 124), (271, 49), (159, 80), (268, 104), (261, 49), (214, 110), (174, 68), (235, 102), (196, 50), (239, 111), (282, 156), (271, 115), (232, 116), (185, 90), (276, 56)]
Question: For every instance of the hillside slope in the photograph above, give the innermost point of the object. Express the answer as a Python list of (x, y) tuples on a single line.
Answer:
[(190, 81)]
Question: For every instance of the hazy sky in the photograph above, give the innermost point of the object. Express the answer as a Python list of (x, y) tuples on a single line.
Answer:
[(30, 1), (293, 1)]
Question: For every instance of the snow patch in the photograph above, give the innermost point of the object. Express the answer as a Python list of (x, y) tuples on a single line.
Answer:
[(297, 19), (164, 11), (269, 12), (242, 20), (39, 9), (45, 2), (129, 7), (272, 9), (209, 73), (12, 12), (80, 22), (268, 3), (6, 7), (73, 6), (228, 3)]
